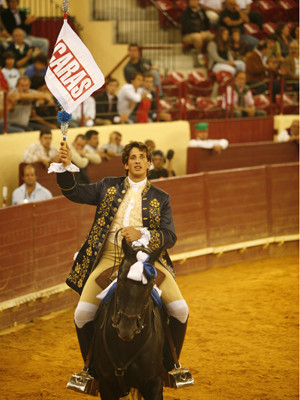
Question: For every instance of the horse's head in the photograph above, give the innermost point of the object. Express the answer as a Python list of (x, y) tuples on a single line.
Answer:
[(132, 296)]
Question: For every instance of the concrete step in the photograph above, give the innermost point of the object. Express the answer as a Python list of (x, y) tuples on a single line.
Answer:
[(128, 10)]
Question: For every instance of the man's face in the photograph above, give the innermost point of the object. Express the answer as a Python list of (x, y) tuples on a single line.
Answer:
[(203, 135), (23, 86), (240, 79), (158, 162), (115, 139), (148, 83), (193, 4), (137, 82), (112, 88), (134, 53), (29, 176), (295, 128), (294, 50), (94, 141), (236, 36), (39, 65), (13, 4), (79, 144), (9, 62), (231, 5), (18, 36), (138, 165), (46, 140)]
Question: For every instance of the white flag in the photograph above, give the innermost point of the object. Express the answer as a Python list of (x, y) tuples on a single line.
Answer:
[(72, 74)]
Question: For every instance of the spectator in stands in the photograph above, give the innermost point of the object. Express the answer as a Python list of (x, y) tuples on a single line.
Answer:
[(84, 114), (92, 144), (21, 50), (137, 63), (213, 9), (274, 50), (243, 102), (106, 105), (12, 18), (202, 140), (238, 47), (42, 151), (10, 73), (151, 146), (148, 82), (233, 17), (130, 95), (254, 16), (31, 191), (295, 33), (38, 66), (290, 134), (82, 158), (114, 146), (195, 28), (283, 36), (158, 171), (219, 55), (290, 65), (21, 100), (42, 111), (257, 70)]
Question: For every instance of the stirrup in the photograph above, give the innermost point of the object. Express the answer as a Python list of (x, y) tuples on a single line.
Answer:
[(83, 382), (179, 377)]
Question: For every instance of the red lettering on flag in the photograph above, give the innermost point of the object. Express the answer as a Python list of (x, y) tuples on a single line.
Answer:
[(69, 71)]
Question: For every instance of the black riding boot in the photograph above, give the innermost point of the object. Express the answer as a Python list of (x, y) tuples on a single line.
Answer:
[(85, 336), (177, 330)]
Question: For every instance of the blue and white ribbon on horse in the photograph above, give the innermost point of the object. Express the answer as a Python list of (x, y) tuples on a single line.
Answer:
[(140, 271)]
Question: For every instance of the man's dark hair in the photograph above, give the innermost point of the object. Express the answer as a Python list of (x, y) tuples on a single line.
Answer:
[(91, 133), (8, 54), (45, 131), (41, 58), (158, 153), (148, 75), (273, 37), (134, 74), (134, 45), (261, 45), (110, 80), (139, 145), (118, 133), (37, 81), (29, 166)]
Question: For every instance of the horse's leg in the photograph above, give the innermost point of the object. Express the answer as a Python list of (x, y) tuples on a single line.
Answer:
[(105, 390), (153, 390)]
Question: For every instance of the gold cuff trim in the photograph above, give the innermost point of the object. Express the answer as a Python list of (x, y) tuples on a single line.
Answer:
[(69, 188)]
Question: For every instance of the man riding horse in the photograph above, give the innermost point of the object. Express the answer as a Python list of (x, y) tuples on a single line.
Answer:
[(142, 213)]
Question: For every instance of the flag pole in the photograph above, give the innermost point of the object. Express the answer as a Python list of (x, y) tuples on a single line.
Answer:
[(63, 117)]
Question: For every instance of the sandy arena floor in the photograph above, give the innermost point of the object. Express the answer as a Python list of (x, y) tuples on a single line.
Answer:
[(241, 344)]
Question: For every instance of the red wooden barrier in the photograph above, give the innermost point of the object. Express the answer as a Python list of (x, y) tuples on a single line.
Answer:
[(242, 130), (241, 156)]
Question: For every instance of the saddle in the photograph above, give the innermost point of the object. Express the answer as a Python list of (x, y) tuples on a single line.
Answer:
[(109, 275)]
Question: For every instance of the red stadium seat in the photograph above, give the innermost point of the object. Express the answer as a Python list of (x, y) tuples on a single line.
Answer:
[(253, 30), (223, 79), (208, 107), (289, 106), (289, 10), (269, 27), (198, 84), (176, 77), (262, 102), (269, 10)]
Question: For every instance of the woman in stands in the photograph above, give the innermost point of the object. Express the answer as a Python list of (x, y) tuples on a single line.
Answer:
[(220, 57), (283, 37), (239, 48)]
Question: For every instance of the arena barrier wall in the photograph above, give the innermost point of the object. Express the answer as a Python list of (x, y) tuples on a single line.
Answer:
[(241, 156), (221, 217)]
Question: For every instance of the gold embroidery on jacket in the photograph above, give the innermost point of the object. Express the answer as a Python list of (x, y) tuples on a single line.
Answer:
[(154, 224), (78, 274)]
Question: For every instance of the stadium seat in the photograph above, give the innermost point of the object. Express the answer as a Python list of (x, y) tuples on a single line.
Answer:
[(253, 30), (289, 106), (208, 107), (176, 77), (262, 102), (289, 10), (269, 10), (223, 78), (198, 84), (170, 107), (269, 27)]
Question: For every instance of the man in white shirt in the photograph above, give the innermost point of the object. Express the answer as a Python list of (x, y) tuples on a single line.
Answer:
[(213, 9), (130, 95), (85, 113), (202, 139), (31, 190), (290, 134), (42, 151)]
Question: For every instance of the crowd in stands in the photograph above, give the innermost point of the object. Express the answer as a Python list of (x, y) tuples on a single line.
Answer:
[(215, 28)]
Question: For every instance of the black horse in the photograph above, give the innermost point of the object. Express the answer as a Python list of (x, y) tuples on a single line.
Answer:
[(129, 337)]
